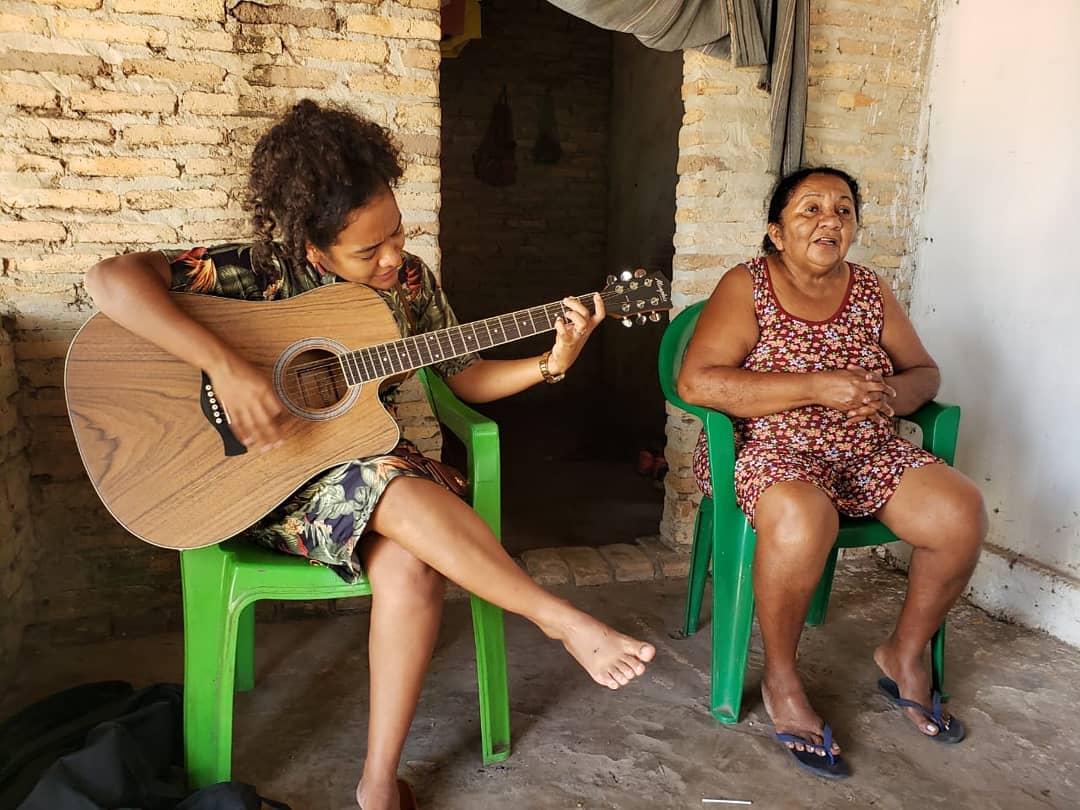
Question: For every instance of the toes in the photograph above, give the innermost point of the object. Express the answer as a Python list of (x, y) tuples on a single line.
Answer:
[(646, 653)]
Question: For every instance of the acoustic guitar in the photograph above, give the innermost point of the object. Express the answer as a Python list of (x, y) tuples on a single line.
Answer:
[(155, 439)]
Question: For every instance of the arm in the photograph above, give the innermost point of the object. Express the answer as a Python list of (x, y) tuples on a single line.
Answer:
[(488, 380), (916, 376), (133, 290)]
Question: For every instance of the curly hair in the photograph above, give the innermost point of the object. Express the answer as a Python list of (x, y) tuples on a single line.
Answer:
[(785, 188), (311, 170)]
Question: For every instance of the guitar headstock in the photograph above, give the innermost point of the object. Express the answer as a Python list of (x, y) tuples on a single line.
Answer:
[(636, 296)]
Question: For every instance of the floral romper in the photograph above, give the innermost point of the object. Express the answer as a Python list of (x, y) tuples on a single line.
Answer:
[(858, 466), (325, 520)]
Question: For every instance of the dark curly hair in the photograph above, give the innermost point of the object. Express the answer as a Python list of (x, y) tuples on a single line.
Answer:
[(311, 170), (785, 188)]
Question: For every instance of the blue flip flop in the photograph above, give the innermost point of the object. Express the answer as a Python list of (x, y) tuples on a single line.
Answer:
[(950, 731), (819, 759)]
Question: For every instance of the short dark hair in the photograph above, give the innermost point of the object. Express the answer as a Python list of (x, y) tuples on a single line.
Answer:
[(311, 170), (785, 188)]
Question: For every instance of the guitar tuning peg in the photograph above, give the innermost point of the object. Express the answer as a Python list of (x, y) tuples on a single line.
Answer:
[(609, 280), (625, 275), (639, 273), (641, 318), (627, 322), (654, 317)]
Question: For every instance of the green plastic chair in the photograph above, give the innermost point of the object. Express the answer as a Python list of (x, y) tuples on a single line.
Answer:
[(723, 534), (221, 584)]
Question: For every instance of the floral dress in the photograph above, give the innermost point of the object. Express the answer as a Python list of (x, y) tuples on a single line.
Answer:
[(858, 466), (325, 520)]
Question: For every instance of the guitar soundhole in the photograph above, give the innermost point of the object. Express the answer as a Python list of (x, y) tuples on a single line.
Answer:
[(314, 381)]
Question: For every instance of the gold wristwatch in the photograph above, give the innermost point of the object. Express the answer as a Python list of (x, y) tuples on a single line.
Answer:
[(547, 375)]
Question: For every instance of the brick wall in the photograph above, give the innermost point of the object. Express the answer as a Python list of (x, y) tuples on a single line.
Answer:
[(517, 246), (865, 114), (128, 125), (16, 531)]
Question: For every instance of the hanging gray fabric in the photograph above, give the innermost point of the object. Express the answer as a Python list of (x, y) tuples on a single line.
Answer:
[(665, 25), (773, 33)]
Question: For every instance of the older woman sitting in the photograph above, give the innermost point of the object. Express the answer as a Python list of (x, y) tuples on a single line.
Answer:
[(813, 356)]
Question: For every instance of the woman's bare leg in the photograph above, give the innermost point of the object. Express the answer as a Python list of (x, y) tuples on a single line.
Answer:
[(940, 512), (796, 527), (406, 593), (440, 529)]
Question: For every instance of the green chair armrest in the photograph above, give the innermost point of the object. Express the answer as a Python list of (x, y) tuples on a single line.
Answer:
[(480, 436), (940, 425)]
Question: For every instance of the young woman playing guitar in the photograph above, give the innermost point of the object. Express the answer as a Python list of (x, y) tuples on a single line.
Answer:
[(323, 210)]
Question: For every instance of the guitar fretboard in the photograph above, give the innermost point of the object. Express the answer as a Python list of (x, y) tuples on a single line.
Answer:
[(417, 351)]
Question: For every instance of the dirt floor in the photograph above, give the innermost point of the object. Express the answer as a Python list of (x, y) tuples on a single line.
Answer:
[(300, 734)]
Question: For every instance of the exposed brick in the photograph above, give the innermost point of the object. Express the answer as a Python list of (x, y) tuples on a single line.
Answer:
[(92, 5), (546, 567), (214, 166), (705, 87), (587, 567), (66, 198), (127, 233), (166, 135), (629, 563), (286, 15), (342, 50), (70, 129), (18, 24), (204, 40), (215, 230), (281, 76), (38, 164), (123, 167), (418, 116), (25, 95), (156, 200), (421, 59), (399, 27), (189, 9), (36, 62), (196, 73), (209, 103), (109, 101), (76, 28), (393, 85), (32, 232)]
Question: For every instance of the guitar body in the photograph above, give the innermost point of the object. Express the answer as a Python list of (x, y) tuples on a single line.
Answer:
[(157, 446)]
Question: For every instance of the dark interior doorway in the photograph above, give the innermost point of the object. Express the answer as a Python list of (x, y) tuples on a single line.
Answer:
[(607, 203)]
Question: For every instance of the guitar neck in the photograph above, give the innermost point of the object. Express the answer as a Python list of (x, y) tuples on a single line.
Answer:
[(417, 351)]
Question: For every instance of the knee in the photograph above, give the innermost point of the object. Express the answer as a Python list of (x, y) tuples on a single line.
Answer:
[(400, 576), (796, 517), (967, 514)]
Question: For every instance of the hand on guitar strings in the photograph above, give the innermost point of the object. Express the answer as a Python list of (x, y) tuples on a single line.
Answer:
[(572, 329), (256, 414)]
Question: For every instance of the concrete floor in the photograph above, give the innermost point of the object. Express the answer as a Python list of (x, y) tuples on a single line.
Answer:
[(300, 734)]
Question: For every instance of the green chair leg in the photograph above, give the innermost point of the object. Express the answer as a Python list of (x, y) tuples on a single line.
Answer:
[(210, 629), (937, 661), (700, 556), (819, 605), (732, 617), (491, 680), (245, 650)]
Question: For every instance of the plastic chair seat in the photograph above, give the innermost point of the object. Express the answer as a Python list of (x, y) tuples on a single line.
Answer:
[(221, 584)]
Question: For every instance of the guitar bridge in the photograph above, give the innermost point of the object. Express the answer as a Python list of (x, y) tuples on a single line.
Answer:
[(215, 415)]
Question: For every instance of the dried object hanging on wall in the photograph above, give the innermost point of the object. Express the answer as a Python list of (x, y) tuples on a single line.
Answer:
[(494, 161), (548, 149)]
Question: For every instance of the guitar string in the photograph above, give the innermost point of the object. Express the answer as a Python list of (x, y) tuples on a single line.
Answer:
[(586, 299)]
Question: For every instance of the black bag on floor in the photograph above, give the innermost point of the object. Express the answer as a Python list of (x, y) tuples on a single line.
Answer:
[(104, 745)]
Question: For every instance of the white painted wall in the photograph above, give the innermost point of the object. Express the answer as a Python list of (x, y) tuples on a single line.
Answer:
[(996, 297)]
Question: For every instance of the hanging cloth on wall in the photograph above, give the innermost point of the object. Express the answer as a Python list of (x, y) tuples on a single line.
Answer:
[(547, 150), (773, 33), (494, 161)]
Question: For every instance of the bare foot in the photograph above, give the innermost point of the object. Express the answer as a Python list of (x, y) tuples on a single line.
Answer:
[(790, 710), (610, 658), (378, 795), (913, 680)]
